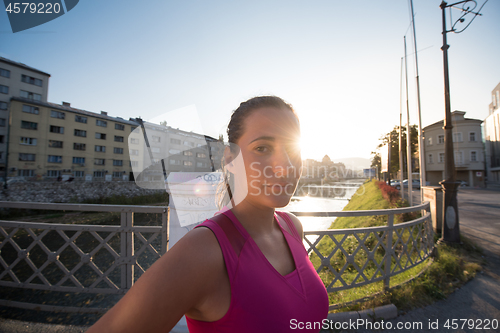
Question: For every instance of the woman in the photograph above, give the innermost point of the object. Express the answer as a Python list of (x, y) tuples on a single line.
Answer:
[(244, 270)]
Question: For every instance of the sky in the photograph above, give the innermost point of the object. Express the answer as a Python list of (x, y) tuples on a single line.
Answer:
[(337, 62)]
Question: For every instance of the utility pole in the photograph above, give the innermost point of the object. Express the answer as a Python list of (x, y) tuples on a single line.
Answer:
[(451, 229)]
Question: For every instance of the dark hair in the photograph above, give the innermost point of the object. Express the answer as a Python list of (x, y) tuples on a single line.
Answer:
[(235, 130)]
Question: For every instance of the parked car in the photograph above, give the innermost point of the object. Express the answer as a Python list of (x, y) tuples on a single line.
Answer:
[(395, 183), (463, 183), (415, 184)]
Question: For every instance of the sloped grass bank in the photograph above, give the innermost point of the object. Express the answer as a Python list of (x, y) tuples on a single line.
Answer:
[(436, 277)]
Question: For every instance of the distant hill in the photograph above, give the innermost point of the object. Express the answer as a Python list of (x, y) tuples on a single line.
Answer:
[(355, 163)]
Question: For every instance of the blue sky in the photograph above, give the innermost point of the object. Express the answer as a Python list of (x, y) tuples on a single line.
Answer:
[(337, 62)]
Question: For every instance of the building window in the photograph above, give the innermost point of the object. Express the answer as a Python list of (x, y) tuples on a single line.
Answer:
[(98, 174), (26, 157), (188, 163), (441, 139), (472, 136), (117, 174), (2, 138), (117, 162), (175, 162), (31, 109), (134, 163), (134, 141), (57, 114), (431, 160), (101, 123), (118, 150), (201, 164), (79, 174), (78, 160), (81, 133), (31, 80), (459, 159), (53, 173), (31, 95), (29, 125), (3, 106), (80, 119), (155, 150), (175, 141), (156, 139), (457, 137), (101, 149), (201, 155), (99, 161), (429, 141), (118, 138), (54, 159), (4, 89), (4, 72), (101, 136), (79, 146), (189, 143), (55, 144), (134, 152), (26, 173), (3, 122), (132, 128), (28, 141), (473, 156), (187, 153), (441, 157), (56, 129), (119, 127)]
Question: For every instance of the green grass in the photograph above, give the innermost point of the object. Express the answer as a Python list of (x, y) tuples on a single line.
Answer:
[(430, 280)]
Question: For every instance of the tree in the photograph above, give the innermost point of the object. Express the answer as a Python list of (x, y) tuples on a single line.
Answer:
[(393, 138), (163, 123)]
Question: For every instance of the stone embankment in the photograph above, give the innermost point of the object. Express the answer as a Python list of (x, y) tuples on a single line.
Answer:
[(64, 192)]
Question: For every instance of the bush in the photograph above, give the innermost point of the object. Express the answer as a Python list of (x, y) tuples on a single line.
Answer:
[(388, 192)]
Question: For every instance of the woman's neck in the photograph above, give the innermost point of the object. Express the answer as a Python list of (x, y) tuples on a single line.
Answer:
[(257, 221)]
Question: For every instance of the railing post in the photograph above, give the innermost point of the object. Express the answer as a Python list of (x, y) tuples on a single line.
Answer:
[(388, 252), (123, 248), (130, 249), (165, 226)]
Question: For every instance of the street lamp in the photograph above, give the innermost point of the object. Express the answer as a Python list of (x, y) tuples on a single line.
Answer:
[(451, 230)]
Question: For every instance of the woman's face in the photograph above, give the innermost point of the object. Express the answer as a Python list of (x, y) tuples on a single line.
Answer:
[(271, 157)]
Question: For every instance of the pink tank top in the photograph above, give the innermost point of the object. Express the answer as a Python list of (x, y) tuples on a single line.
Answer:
[(262, 300)]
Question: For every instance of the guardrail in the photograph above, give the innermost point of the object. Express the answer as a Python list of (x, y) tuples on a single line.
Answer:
[(78, 258), (385, 251)]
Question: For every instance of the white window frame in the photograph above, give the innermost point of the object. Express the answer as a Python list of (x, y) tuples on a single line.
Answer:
[(476, 155), (441, 157), (440, 142), (430, 159), (475, 139)]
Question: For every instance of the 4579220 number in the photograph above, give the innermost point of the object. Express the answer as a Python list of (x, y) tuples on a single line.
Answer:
[(477, 324), (31, 7)]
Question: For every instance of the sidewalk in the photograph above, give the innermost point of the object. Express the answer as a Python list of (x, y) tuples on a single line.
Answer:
[(479, 300)]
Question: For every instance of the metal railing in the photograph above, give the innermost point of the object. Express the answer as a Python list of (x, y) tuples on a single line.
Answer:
[(53, 256), (78, 258), (342, 257)]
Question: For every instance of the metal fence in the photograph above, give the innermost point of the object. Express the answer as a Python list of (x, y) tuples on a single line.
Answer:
[(107, 259), (350, 258), (78, 258)]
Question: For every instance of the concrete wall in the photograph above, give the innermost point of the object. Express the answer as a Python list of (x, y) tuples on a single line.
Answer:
[(66, 192)]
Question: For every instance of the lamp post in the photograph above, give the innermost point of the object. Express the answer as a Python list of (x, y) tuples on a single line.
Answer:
[(451, 230)]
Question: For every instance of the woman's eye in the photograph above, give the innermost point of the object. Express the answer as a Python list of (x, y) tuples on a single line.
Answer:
[(262, 149)]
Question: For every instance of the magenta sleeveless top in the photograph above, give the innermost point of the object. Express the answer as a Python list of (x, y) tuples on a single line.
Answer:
[(262, 300)]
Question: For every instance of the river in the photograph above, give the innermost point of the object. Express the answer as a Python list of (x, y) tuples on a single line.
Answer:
[(319, 204)]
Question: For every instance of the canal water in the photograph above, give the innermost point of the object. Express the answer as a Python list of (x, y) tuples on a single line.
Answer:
[(332, 203)]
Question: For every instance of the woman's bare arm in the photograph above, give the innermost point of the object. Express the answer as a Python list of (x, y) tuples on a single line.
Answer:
[(175, 284)]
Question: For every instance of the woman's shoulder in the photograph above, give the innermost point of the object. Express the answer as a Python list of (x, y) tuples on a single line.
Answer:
[(296, 222)]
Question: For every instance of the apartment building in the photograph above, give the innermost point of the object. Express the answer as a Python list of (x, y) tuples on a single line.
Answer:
[(49, 140), (467, 146), (18, 80), (492, 137), (181, 151)]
